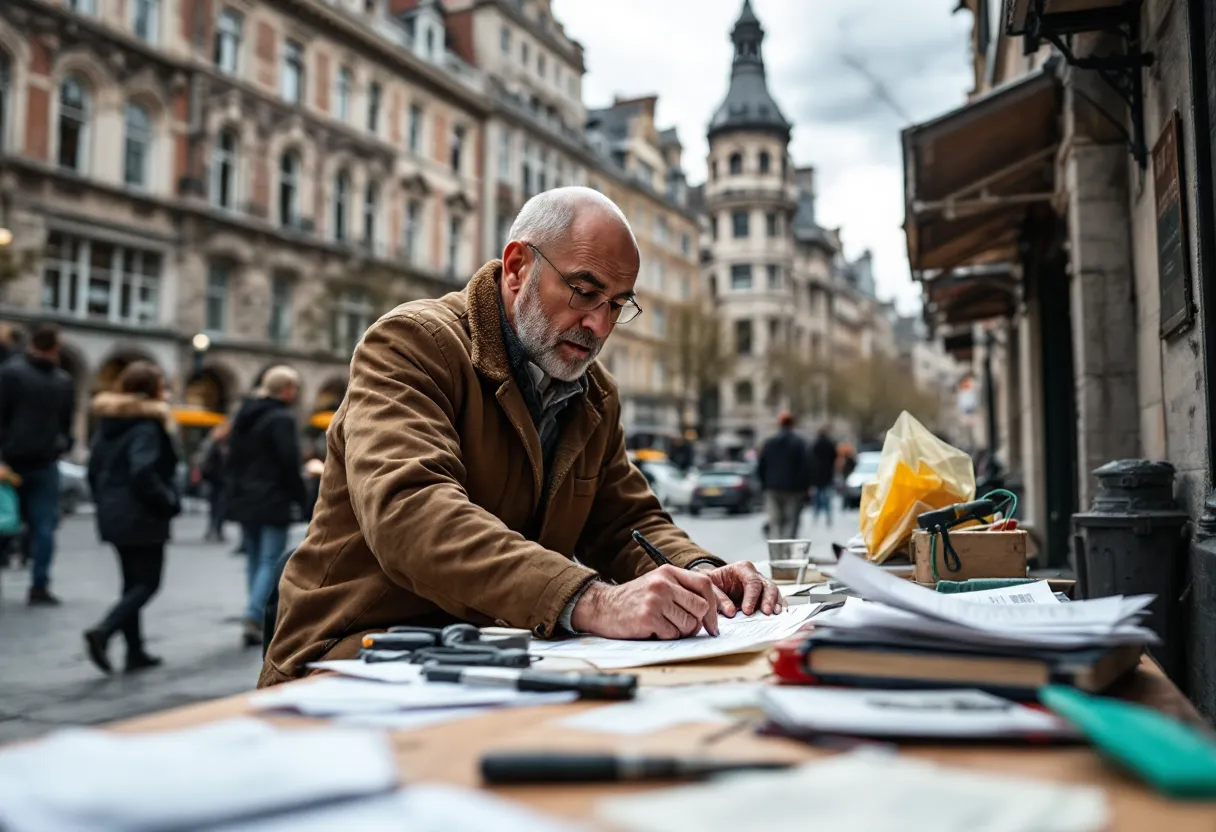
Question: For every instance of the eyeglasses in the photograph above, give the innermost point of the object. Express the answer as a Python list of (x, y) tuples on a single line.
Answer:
[(585, 298)]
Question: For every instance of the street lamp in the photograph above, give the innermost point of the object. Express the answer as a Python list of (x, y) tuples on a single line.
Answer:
[(201, 343), (6, 237)]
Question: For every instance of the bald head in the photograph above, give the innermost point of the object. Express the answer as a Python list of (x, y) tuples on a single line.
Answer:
[(550, 217)]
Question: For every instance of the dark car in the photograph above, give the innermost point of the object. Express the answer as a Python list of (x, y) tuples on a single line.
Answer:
[(729, 486)]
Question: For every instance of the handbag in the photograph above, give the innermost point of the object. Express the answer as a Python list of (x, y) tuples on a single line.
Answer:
[(10, 511)]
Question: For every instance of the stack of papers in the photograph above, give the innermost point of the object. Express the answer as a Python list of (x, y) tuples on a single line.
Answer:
[(741, 634), (865, 790), (222, 773), (337, 697), (898, 607)]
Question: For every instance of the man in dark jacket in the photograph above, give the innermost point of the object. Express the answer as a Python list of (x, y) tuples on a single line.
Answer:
[(37, 401), (823, 474), (784, 477), (265, 489)]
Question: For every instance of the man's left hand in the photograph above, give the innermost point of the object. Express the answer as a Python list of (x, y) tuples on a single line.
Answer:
[(739, 586)]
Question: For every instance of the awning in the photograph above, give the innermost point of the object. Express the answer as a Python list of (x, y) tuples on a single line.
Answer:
[(971, 175), (964, 296)]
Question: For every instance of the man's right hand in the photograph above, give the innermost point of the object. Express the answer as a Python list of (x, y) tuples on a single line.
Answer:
[(666, 603)]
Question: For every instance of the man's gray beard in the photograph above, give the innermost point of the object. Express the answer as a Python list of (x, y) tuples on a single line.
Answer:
[(540, 341)]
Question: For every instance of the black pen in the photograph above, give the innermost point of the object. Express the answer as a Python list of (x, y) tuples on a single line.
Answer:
[(586, 685), (557, 767), (649, 548)]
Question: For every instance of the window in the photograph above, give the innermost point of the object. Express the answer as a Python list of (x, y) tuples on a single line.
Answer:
[(559, 177), (369, 216), (685, 245), (527, 170), (713, 170), (6, 97), (765, 161), (430, 43), (415, 129), (342, 92), (373, 107), (743, 393), (504, 156), (741, 276), (352, 317), (770, 223), (644, 172), (542, 170), (774, 332), (540, 65), (228, 42), (413, 226), (661, 230), (144, 17), (736, 163), (94, 279), (455, 227), (523, 53), (223, 171), (504, 40), (457, 147), (774, 277), (660, 323), (289, 190), (280, 310), (73, 125), (137, 147), (292, 81), (713, 228), (341, 206), (738, 224), (216, 298)]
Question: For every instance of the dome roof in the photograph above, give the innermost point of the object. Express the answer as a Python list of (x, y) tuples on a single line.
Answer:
[(748, 104)]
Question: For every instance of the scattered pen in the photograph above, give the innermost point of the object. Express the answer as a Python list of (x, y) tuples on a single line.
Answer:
[(586, 685), (542, 767)]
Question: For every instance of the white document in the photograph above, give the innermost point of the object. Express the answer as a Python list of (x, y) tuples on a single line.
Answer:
[(741, 634), (342, 696), (1038, 592), (906, 713), (411, 720), (867, 791), (427, 807), (657, 709), (84, 779), (395, 672)]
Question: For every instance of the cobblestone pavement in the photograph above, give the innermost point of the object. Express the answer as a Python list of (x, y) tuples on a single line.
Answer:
[(193, 624)]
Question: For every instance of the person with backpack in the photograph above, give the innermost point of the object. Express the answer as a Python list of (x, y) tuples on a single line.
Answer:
[(266, 491), (131, 473)]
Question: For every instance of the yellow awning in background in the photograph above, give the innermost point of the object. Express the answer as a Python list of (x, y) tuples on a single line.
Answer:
[(321, 420), (190, 417)]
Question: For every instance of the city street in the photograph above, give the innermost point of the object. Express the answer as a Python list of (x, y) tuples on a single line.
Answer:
[(47, 682)]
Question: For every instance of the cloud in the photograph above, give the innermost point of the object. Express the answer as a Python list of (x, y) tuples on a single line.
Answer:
[(823, 58)]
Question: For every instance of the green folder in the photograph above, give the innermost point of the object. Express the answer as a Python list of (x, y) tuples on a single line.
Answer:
[(1175, 758)]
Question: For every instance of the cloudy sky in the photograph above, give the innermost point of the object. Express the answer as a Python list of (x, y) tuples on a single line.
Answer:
[(848, 73)]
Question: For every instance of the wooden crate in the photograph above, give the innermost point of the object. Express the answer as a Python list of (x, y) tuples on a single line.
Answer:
[(982, 554)]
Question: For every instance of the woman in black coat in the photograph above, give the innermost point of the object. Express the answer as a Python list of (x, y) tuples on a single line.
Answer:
[(132, 465)]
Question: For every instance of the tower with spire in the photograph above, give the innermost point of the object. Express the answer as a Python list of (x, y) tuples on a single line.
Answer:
[(751, 199)]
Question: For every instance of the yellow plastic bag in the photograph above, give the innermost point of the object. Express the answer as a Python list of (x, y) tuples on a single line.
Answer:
[(917, 473)]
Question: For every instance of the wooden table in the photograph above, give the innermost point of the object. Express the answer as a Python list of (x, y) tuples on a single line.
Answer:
[(450, 752)]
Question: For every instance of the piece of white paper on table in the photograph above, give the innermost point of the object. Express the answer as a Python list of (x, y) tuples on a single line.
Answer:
[(741, 634), (907, 713), (1102, 614), (395, 672), (411, 720), (867, 791), (657, 709), (1039, 592), (338, 696), (426, 807), (84, 779)]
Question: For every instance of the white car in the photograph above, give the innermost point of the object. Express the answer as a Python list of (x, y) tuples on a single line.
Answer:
[(866, 471), (670, 485)]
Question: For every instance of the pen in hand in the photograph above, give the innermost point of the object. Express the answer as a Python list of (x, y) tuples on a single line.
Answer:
[(649, 548)]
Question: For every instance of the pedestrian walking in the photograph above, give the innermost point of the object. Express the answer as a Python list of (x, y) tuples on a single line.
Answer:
[(265, 488), (784, 478), (212, 470), (823, 475), (37, 402), (131, 473)]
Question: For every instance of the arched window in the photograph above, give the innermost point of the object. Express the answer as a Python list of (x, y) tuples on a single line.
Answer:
[(73, 125), (736, 163), (341, 206), (223, 170), (6, 97), (138, 146), (289, 190), (765, 161)]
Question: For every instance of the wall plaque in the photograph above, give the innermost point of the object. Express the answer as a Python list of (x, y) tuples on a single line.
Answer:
[(1173, 255)]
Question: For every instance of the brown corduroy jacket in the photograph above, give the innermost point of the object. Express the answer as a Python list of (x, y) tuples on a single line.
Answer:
[(431, 507)]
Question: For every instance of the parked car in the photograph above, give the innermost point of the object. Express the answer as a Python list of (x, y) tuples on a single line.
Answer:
[(73, 486), (728, 485), (672, 486), (866, 471)]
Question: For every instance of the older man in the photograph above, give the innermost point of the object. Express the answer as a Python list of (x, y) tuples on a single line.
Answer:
[(479, 451)]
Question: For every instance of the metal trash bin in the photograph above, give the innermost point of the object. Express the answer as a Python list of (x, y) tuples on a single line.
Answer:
[(1132, 541)]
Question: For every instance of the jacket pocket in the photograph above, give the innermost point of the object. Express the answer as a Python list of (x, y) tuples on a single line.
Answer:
[(586, 486)]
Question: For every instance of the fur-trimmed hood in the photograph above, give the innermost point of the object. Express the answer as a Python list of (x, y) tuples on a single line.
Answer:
[(130, 407)]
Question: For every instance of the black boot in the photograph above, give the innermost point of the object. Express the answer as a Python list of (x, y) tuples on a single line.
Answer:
[(142, 661), (95, 644)]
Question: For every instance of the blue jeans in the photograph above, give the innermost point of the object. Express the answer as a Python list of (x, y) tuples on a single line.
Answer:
[(39, 498), (264, 547), (822, 502)]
